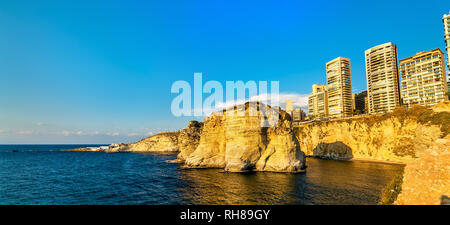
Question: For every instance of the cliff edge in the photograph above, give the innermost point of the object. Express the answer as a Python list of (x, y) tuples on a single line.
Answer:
[(398, 136), (242, 139), (184, 142)]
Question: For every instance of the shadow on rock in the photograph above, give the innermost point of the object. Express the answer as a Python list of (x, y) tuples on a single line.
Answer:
[(335, 150)]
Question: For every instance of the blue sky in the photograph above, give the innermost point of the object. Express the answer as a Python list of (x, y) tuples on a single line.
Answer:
[(101, 71)]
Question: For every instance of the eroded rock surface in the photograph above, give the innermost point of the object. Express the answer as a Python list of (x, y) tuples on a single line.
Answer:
[(188, 139), (427, 179), (241, 139), (161, 142), (396, 137), (184, 141)]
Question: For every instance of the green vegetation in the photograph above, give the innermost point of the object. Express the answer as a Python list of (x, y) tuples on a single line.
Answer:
[(390, 192)]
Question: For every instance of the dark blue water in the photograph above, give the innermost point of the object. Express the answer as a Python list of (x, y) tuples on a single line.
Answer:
[(41, 174)]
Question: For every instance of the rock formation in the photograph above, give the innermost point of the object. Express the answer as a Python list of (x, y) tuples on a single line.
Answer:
[(184, 141), (161, 142), (188, 139), (427, 179), (398, 136), (244, 139)]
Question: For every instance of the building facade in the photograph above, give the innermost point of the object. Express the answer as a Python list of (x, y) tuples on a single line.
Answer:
[(360, 102), (353, 102), (383, 86), (423, 78), (289, 106), (298, 115), (339, 87), (446, 21), (366, 104), (318, 102)]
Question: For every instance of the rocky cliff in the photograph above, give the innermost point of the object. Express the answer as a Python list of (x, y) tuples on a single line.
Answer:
[(188, 139), (184, 141), (398, 136), (239, 139), (161, 142)]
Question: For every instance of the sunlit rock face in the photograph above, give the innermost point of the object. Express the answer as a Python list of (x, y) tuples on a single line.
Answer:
[(188, 139), (426, 180), (162, 142), (399, 136), (248, 138), (184, 141)]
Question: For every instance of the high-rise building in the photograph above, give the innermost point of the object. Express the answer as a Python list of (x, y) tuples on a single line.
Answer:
[(298, 115), (289, 106), (448, 85), (423, 78), (339, 86), (383, 86), (366, 104), (318, 102), (353, 102), (446, 21), (360, 102)]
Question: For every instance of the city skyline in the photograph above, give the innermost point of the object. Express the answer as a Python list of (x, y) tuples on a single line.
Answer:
[(111, 93)]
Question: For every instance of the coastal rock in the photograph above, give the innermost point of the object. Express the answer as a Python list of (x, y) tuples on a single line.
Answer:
[(188, 139), (427, 179), (397, 137), (161, 142), (211, 149), (184, 141), (336, 150), (242, 139)]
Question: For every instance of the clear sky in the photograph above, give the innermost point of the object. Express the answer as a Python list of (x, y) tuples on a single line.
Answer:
[(101, 71)]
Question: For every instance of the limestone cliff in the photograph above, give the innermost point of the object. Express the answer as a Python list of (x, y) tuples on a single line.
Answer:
[(397, 136), (161, 142), (427, 179), (188, 139), (240, 139)]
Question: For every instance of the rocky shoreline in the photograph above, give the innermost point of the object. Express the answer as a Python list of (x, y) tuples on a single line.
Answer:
[(418, 138), (232, 139)]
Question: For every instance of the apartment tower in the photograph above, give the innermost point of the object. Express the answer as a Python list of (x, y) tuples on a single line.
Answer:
[(298, 115), (317, 102), (446, 21), (339, 87), (289, 106), (423, 78), (353, 102), (383, 86)]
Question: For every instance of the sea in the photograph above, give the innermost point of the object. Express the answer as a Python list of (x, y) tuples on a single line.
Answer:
[(48, 174)]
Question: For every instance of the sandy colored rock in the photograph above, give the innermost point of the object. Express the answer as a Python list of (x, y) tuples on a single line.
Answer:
[(427, 179), (239, 140), (188, 139), (442, 107), (161, 142), (387, 138), (184, 141), (336, 150)]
